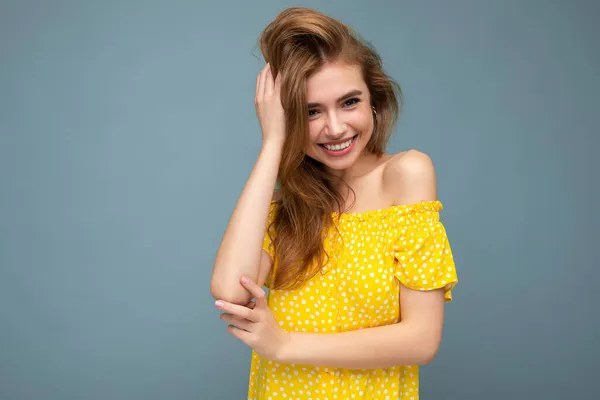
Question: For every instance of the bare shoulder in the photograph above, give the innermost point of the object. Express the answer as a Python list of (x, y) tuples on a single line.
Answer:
[(410, 177)]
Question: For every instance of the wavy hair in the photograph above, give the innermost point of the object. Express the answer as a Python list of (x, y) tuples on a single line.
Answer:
[(297, 43)]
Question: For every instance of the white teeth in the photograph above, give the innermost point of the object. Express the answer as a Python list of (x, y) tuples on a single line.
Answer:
[(338, 147)]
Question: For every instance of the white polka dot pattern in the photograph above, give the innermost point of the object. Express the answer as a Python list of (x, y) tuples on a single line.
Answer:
[(357, 289)]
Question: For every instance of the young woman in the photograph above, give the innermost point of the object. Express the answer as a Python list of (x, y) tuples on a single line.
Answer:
[(350, 246)]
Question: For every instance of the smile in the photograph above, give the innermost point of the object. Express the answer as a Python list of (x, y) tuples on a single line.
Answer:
[(339, 149)]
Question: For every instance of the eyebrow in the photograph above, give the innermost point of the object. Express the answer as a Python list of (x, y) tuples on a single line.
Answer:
[(352, 93)]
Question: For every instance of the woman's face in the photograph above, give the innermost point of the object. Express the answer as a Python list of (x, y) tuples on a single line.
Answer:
[(340, 117)]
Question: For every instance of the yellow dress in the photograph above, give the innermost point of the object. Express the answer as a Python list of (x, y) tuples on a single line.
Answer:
[(358, 288)]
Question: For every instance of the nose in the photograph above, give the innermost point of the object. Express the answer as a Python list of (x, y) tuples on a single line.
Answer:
[(336, 128)]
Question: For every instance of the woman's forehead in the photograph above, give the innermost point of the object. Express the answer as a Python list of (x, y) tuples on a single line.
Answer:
[(333, 81)]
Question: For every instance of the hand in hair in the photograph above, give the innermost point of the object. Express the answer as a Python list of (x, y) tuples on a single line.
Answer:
[(268, 106)]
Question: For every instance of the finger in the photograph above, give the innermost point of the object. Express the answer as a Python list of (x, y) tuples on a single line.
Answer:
[(258, 78), (251, 305), (240, 311), (269, 81), (266, 79), (239, 333), (237, 321), (256, 291), (261, 83)]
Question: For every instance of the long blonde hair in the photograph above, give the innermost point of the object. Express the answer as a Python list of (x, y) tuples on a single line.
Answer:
[(296, 44)]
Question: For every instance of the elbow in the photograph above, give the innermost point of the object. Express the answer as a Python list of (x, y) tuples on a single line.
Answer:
[(215, 290), (233, 293), (429, 351), (428, 356), (219, 291), (426, 341)]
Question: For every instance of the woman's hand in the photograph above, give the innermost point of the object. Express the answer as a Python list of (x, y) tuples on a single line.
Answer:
[(255, 324), (268, 106)]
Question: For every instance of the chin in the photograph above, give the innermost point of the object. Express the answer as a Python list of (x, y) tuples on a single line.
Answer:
[(339, 165)]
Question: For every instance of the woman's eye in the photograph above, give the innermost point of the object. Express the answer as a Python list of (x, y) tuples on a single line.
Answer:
[(312, 113), (351, 102)]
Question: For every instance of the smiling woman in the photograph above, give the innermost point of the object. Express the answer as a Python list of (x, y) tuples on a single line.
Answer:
[(351, 245), (338, 124)]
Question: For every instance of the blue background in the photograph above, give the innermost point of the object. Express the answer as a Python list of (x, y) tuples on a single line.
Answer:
[(127, 131)]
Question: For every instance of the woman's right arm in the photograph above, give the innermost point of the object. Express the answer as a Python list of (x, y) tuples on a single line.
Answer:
[(240, 252)]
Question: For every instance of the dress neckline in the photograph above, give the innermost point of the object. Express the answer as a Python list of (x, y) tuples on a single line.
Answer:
[(398, 209), (429, 205)]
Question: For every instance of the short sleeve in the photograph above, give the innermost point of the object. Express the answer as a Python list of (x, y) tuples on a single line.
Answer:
[(267, 243), (424, 257)]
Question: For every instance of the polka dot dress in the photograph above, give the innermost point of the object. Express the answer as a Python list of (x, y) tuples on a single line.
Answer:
[(357, 289)]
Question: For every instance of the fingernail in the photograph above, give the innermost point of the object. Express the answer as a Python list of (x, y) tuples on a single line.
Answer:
[(244, 279), (219, 304)]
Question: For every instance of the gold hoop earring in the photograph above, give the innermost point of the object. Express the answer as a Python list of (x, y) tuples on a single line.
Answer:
[(374, 110)]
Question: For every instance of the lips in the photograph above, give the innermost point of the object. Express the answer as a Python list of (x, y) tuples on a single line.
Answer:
[(338, 141), (342, 152)]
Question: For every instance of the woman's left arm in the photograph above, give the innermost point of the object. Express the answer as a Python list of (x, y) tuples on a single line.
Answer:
[(414, 340)]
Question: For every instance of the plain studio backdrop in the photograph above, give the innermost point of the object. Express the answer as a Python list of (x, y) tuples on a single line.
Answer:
[(128, 130)]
